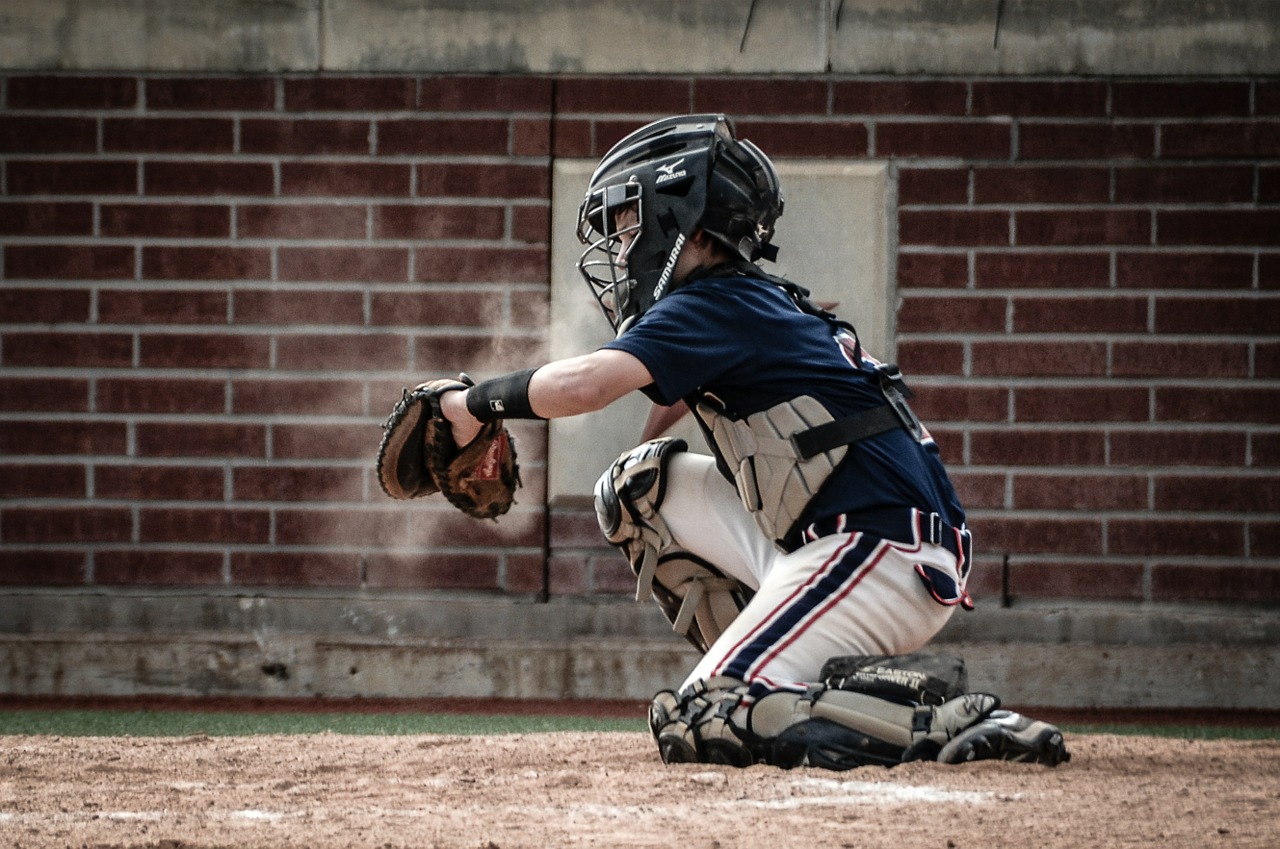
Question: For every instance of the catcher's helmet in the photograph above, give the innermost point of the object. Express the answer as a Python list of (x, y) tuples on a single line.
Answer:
[(677, 174)]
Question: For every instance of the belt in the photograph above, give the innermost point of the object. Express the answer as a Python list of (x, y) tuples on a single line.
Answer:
[(900, 524)]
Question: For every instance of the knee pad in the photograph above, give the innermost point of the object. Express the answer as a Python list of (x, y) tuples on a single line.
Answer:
[(694, 595)]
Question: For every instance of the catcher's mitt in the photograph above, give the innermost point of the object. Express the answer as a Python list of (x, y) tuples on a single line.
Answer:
[(418, 456)]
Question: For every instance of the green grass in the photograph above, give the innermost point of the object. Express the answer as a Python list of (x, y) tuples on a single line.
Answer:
[(124, 723), (138, 723)]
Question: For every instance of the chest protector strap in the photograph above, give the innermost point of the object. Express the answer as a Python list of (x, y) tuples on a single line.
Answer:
[(774, 480)]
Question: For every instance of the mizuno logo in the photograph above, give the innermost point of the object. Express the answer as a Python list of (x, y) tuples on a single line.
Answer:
[(669, 172)]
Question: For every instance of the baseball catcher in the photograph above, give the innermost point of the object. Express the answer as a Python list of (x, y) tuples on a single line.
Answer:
[(419, 456), (822, 543)]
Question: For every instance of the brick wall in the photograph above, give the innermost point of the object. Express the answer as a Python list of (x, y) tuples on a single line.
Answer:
[(214, 289)]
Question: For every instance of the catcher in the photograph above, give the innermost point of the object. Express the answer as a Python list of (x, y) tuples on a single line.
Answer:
[(823, 544)]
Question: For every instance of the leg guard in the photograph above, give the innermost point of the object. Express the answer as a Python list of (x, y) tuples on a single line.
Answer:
[(696, 598), (823, 727), (1008, 736)]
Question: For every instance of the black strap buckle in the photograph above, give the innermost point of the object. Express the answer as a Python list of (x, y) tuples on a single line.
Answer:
[(895, 390)]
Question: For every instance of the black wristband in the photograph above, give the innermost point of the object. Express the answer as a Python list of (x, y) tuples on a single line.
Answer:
[(505, 397)]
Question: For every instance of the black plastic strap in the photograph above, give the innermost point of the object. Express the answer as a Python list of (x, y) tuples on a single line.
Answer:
[(845, 431)]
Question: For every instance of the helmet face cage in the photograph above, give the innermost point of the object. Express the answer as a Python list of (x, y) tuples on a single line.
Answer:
[(603, 263), (678, 174)]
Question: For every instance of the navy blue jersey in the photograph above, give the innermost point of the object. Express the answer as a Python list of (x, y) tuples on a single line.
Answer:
[(745, 341)]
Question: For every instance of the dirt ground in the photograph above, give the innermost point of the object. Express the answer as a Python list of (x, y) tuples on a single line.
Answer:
[(610, 789)]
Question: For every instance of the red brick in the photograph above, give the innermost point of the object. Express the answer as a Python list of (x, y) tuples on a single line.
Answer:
[(435, 309), (630, 94), (305, 137), (802, 138), (1176, 536), (221, 179), (25, 481), (285, 397), (1039, 359), (158, 483), (524, 574), (1243, 316), (760, 96), (157, 395), (1081, 404), (1200, 184), (1247, 139), (484, 181), (204, 351), (1184, 270), (1036, 448), (1066, 99), (72, 177), (433, 571), (1149, 99), (157, 568), (1103, 581), (1264, 539), (468, 136), (62, 350), (1080, 315), (1269, 271), (924, 357), (530, 309), (284, 483), (168, 135), (1267, 97), (933, 186), (1083, 227), (1207, 493), (1269, 185), (59, 92), (60, 437), (53, 306), (150, 306), (41, 218), (965, 403), (68, 262), (953, 228), (452, 352), (204, 525), (294, 569), (531, 224), (168, 221), (1266, 359), (978, 490), (485, 94), (1009, 534), (344, 527), (298, 307), (1250, 227), (1055, 140), (341, 351), (63, 525), (899, 97), (567, 574), (1042, 270), (44, 394), (519, 528), (42, 567), (1177, 448), (1231, 584), (481, 265), (207, 94), (967, 140), (933, 270), (438, 221), (301, 221), (1181, 358), (1041, 185), (345, 179), (1211, 404), (205, 263), (349, 94), (324, 442), (38, 134), (530, 137), (344, 264), (201, 439), (570, 138), (965, 314)]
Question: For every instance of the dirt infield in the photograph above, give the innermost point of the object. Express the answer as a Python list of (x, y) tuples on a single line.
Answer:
[(609, 789)]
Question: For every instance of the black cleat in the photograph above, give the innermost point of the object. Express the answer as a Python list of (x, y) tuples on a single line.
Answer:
[(1007, 736)]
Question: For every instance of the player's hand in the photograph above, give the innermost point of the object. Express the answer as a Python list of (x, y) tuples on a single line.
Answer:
[(464, 425)]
